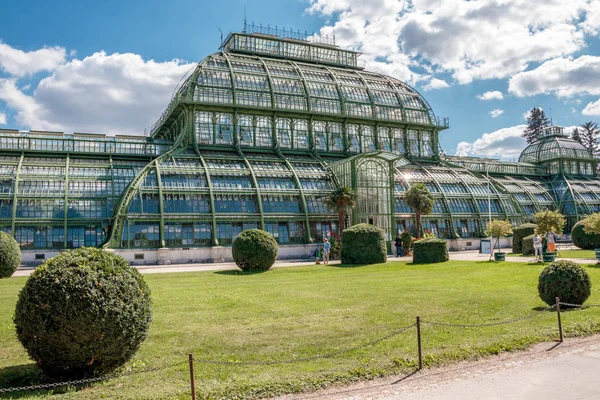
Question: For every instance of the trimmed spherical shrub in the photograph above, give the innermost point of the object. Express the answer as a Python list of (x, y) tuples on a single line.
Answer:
[(527, 243), (363, 244), (254, 250), (588, 241), (10, 255), (83, 312), (519, 233), (430, 250), (565, 280)]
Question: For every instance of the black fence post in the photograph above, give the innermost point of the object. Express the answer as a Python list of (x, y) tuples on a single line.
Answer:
[(192, 383), (558, 315), (419, 342)]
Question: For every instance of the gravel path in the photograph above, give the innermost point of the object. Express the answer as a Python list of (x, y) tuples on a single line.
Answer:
[(548, 371)]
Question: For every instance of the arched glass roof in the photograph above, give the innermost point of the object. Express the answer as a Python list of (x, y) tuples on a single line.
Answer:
[(555, 147), (247, 81)]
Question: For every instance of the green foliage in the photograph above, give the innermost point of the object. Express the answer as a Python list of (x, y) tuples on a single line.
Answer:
[(341, 200), (83, 312), (430, 250), (549, 221), (10, 255), (519, 233), (420, 200), (363, 244), (527, 245), (584, 240), (407, 243), (591, 224), (536, 122), (254, 249), (588, 136), (565, 280), (336, 248), (498, 228)]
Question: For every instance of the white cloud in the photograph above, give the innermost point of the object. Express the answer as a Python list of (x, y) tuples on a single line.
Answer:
[(470, 39), (592, 108), (114, 94), (505, 143), (563, 76), (491, 95), (463, 149), (435, 83), (2, 118), (496, 113), (591, 25), (20, 63)]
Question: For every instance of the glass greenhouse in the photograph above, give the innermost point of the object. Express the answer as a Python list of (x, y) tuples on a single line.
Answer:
[(254, 138)]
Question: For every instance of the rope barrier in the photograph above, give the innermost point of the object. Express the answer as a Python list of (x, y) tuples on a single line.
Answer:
[(510, 321), (193, 360), (87, 380)]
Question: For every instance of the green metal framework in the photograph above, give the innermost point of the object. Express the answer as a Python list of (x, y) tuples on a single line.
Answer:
[(255, 137)]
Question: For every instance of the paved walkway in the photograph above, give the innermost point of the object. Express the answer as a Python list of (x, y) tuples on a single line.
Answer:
[(547, 371), (161, 269)]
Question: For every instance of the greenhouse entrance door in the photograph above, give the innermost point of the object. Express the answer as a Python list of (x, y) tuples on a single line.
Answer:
[(373, 190), (371, 176)]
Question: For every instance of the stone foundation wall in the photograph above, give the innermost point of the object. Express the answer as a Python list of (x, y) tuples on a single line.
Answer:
[(176, 255)]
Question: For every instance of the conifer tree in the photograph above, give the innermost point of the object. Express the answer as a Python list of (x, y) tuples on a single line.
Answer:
[(589, 133), (576, 135), (536, 122)]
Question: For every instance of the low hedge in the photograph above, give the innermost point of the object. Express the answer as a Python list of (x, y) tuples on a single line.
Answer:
[(588, 241), (565, 280), (528, 245), (254, 250), (430, 250), (10, 255), (519, 233), (363, 244), (83, 312)]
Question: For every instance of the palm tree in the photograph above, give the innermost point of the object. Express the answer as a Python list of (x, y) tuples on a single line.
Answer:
[(340, 200), (420, 200)]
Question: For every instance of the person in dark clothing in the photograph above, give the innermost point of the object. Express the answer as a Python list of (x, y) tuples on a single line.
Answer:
[(398, 243)]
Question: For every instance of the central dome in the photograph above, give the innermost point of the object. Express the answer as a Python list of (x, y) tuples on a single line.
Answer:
[(252, 81)]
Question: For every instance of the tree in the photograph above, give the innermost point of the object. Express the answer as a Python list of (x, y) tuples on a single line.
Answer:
[(340, 200), (536, 122), (498, 228), (589, 136), (591, 224), (549, 221), (576, 135), (420, 200)]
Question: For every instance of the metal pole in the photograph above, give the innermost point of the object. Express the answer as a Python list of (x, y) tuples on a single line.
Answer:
[(419, 342), (192, 383), (558, 315)]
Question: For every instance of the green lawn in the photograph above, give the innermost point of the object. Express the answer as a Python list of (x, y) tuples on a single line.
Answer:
[(303, 311), (575, 253)]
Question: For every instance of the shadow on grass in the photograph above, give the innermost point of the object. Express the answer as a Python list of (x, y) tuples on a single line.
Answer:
[(349, 265), (28, 375), (236, 272)]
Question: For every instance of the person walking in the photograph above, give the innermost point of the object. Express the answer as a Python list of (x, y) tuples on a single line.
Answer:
[(326, 250), (551, 241), (398, 243), (537, 246)]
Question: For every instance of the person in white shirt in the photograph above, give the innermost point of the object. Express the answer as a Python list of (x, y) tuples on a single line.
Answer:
[(537, 246)]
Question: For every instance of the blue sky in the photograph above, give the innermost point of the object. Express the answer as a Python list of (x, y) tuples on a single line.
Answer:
[(110, 67)]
